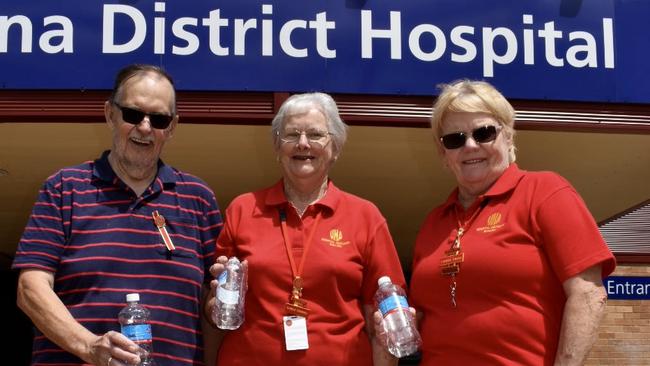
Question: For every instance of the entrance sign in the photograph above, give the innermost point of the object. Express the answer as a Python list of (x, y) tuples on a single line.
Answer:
[(627, 288)]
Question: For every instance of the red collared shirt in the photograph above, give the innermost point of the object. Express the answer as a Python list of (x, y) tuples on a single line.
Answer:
[(351, 249), (532, 233)]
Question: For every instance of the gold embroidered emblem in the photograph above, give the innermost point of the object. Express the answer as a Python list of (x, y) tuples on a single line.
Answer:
[(493, 223), (494, 219), (336, 239), (336, 235)]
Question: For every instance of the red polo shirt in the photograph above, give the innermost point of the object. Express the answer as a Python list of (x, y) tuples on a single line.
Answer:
[(531, 232), (350, 250)]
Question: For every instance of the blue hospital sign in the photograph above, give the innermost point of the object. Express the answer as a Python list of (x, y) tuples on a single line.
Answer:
[(627, 288), (553, 49)]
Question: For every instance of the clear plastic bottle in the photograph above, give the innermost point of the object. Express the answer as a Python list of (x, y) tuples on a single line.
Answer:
[(402, 337), (228, 312), (134, 319)]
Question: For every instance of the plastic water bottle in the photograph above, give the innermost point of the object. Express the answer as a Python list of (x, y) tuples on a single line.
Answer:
[(134, 319), (402, 337), (229, 310)]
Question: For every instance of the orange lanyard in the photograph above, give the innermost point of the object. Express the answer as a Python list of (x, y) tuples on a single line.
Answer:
[(296, 305), (464, 227), (297, 272), (454, 257)]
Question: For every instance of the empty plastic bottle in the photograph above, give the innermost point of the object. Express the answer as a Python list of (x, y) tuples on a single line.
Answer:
[(401, 335), (134, 319), (229, 310)]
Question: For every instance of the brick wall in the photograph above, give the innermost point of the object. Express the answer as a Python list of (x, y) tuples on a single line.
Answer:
[(624, 337)]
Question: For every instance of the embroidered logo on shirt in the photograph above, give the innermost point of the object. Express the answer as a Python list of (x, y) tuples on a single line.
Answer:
[(493, 223), (336, 239)]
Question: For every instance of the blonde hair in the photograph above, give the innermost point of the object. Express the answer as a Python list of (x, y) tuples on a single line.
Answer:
[(474, 97)]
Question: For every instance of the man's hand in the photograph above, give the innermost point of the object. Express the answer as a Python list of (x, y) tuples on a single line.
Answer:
[(114, 349)]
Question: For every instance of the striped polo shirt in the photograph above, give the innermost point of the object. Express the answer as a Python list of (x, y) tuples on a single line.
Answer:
[(100, 241)]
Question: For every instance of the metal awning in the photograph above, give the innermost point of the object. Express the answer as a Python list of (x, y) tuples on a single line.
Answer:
[(628, 232)]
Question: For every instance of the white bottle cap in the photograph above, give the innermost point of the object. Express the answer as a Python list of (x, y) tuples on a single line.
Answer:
[(132, 297), (384, 279)]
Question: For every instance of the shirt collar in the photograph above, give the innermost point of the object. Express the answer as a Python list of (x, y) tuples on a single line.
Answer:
[(504, 184), (276, 197), (102, 169)]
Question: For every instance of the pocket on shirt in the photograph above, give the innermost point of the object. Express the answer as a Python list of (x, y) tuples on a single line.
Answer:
[(184, 232)]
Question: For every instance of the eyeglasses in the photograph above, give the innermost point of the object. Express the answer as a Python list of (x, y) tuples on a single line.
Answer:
[(481, 135), (315, 138), (135, 117)]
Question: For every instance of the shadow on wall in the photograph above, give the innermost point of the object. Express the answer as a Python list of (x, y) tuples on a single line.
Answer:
[(17, 343)]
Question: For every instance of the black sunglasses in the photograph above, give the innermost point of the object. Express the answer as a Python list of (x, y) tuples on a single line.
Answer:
[(481, 135), (134, 117)]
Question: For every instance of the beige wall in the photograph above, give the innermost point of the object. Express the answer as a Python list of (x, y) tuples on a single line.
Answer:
[(396, 168)]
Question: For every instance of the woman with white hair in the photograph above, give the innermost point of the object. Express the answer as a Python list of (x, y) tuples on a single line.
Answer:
[(314, 252)]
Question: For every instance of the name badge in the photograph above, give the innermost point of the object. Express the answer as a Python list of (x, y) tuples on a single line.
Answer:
[(295, 332)]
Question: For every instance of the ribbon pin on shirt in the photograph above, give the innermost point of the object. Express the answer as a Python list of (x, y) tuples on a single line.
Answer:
[(159, 220)]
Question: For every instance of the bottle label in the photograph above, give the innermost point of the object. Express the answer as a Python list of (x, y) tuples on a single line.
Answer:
[(229, 297), (222, 277), (137, 332), (392, 303)]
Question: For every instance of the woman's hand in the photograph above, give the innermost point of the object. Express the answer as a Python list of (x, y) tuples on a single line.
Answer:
[(378, 327), (378, 330), (215, 270)]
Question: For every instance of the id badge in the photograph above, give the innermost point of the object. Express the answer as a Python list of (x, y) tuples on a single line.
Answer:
[(295, 332)]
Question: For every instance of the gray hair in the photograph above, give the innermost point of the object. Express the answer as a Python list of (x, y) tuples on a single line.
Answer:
[(134, 70), (301, 103)]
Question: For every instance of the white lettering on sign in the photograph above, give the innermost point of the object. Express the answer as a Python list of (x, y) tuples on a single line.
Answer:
[(499, 45), (63, 32), (139, 26), (126, 29), (627, 288), (185, 30)]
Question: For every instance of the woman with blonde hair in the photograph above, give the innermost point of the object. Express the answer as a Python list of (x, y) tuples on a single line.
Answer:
[(507, 271)]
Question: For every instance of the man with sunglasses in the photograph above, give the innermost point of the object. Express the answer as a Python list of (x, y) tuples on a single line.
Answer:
[(124, 223), (508, 271)]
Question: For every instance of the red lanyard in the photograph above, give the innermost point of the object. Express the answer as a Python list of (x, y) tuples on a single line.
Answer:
[(297, 272), (296, 305)]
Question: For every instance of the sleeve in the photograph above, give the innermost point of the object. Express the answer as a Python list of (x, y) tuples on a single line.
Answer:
[(210, 230), (43, 241), (422, 237), (381, 260), (570, 235), (226, 241)]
